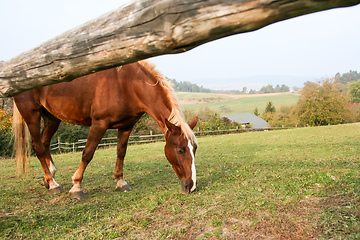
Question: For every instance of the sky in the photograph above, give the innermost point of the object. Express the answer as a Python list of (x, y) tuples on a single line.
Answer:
[(306, 48)]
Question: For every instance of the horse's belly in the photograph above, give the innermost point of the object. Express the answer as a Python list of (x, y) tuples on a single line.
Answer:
[(70, 112)]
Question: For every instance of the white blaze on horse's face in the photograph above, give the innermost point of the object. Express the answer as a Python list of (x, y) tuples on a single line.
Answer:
[(181, 155), (180, 151), (193, 169)]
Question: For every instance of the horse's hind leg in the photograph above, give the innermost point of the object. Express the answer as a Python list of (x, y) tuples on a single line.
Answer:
[(122, 140), (32, 118), (51, 124), (96, 132)]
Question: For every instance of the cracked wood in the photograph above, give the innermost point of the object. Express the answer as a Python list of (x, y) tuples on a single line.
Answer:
[(144, 29)]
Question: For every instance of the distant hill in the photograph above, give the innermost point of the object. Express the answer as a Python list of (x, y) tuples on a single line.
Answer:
[(231, 86), (237, 85), (253, 82)]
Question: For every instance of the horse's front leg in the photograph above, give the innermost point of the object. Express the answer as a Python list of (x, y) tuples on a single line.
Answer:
[(96, 132), (123, 137)]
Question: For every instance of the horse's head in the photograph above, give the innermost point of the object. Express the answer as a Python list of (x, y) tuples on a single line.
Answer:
[(180, 152)]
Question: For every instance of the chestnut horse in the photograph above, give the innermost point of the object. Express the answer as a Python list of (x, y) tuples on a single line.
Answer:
[(115, 98)]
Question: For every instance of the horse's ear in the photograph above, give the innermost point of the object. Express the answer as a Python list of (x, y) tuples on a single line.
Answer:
[(193, 122), (172, 127)]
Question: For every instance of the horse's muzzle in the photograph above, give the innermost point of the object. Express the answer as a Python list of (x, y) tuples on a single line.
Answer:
[(187, 185)]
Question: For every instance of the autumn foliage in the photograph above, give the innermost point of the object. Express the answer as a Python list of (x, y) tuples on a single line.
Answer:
[(322, 104), (5, 121), (319, 103), (5, 133)]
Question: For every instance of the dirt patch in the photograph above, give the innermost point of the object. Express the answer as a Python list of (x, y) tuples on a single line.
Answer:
[(294, 221)]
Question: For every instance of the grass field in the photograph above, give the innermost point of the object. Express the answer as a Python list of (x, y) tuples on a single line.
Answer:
[(231, 104), (297, 183)]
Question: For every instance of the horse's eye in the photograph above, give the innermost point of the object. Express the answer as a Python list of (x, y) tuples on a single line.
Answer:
[(180, 150)]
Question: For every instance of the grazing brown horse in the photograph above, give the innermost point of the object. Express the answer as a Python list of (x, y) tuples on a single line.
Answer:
[(115, 98)]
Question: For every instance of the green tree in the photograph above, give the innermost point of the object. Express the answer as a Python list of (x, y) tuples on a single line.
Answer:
[(354, 91), (187, 86), (322, 104), (69, 133), (270, 107), (284, 88), (145, 125), (342, 81), (267, 89), (283, 117), (256, 112), (244, 90), (350, 76), (277, 88), (268, 114)]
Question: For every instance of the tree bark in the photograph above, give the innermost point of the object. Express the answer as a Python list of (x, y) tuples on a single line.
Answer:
[(143, 29)]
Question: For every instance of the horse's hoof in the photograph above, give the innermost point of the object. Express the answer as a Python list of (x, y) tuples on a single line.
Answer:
[(78, 195), (123, 188), (55, 190)]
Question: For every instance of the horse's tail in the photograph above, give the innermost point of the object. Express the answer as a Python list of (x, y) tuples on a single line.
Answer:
[(21, 142)]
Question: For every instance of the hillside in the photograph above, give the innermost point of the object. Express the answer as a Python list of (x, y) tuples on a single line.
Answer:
[(290, 184), (231, 104)]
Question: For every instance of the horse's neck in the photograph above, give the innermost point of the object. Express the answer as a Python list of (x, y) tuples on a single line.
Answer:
[(156, 98), (159, 108)]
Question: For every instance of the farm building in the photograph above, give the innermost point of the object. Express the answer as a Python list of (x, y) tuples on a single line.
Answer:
[(248, 119)]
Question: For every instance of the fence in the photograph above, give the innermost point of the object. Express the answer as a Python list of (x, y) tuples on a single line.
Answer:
[(80, 144)]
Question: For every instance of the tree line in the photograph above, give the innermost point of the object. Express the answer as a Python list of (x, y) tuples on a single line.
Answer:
[(184, 86), (330, 101)]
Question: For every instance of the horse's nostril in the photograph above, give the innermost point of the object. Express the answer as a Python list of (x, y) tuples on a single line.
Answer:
[(186, 186)]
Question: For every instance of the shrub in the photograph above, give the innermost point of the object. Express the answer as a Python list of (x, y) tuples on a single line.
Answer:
[(322, 104), (209, 120), (6, 143)]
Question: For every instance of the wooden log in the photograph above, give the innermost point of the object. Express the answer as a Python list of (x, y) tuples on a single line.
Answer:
[(143, 29)]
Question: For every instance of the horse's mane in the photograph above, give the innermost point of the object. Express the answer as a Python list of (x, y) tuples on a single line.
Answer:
[(176, 116)]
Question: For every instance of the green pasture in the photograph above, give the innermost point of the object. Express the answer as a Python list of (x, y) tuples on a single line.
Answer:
[(225, 104), (289, 184)]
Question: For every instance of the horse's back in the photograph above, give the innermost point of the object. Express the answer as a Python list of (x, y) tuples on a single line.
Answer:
[(77, 101), (106, 94)]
